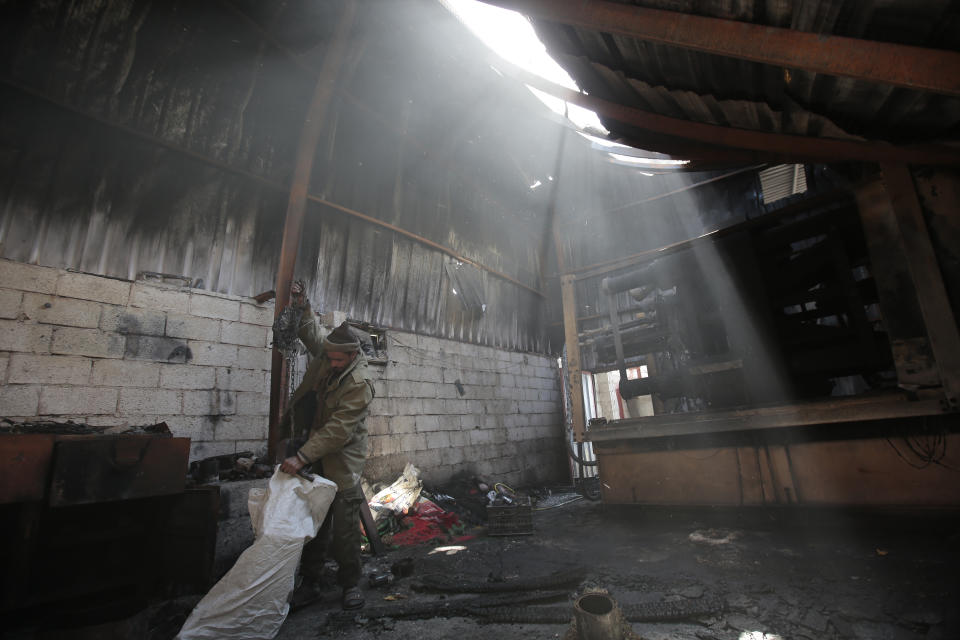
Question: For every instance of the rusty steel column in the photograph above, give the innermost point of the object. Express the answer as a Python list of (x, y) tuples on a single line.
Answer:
[(296, 206)]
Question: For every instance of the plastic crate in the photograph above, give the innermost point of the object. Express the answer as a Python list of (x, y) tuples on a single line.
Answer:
[(510, 519)]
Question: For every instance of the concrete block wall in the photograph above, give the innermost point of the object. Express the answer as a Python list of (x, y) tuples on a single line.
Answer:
[(110, 352), (506, 425)]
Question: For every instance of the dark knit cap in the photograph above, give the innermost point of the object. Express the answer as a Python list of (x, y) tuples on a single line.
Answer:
[(341, 339)]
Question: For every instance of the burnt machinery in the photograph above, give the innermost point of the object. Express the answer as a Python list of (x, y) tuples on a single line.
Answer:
[(94, 525), (778, 310)]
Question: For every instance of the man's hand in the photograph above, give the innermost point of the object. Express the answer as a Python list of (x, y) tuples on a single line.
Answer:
[(292, 465), (297, 293)]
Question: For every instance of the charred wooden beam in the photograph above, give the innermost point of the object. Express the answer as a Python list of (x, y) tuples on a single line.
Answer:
[(832, 200), (899, 301), (833, 411), (937, 313), (574, 370), (935, 70)]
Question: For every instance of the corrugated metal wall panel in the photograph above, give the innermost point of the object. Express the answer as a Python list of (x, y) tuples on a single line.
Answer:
[(144, 137)]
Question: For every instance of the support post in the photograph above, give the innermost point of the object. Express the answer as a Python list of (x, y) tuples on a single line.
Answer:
[(296, 206), (925, 271), (572, 342)]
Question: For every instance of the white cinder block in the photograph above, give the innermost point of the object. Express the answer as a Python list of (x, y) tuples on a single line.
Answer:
[(233, 379), (48, 369), (437, 440), (212, 353), (28, 277), (187, 376), (28, 338), (10, 302), (427, 374), (255, 358), (158, 298), (378, 425), (412, 442), (434, 407), (181, 325), (130, 320), (125, 373), (455, 407), (255, 404), (241, 428), (89, 287), (153, 401), (402, 424), (449, 423), (209, 403), (65, 311), (459, 438), (387, 445), (427, 423), (87, 342), (19, 400), (250, 335), (481, 436), (4, 365), (255, 314), (77, 400), (213, 307), (451, 455)]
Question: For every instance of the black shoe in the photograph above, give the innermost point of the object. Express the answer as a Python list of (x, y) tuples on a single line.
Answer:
[(352, 599), (307, 591)]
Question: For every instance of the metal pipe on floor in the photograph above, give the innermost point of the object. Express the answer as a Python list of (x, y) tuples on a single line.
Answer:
[(597, 617)]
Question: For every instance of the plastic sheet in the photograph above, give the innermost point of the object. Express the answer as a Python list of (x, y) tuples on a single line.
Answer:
[(252, 600)]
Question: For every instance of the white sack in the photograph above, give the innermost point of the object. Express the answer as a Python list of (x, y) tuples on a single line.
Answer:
[(251, 601)]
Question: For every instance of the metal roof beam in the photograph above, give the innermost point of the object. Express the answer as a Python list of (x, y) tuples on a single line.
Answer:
[(935, 70), (784, 147)]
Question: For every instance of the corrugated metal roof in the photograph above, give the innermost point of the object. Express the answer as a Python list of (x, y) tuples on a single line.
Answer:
[(702, 87)]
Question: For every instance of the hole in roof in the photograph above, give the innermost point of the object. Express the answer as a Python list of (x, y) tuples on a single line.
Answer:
[(510, 35)]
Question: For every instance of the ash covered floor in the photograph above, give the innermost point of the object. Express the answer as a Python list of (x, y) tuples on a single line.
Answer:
[(756, 574)]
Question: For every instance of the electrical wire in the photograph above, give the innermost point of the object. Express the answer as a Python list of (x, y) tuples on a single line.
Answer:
[(930, 450)]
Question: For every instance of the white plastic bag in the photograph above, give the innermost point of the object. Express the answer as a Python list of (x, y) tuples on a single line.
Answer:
[(251, 601), (399, 496)]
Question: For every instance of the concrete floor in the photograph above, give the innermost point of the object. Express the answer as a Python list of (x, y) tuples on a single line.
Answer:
[(780, 575)]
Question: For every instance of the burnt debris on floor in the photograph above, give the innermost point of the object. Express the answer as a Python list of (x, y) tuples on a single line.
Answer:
[(677, 574)]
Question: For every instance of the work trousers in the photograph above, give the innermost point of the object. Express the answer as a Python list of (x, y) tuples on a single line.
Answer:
[(340, 533)]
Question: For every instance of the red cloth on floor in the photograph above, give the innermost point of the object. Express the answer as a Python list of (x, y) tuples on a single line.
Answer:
[(426, 523)]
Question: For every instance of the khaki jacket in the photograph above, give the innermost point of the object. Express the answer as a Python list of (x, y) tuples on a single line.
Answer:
[(330, 411)]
